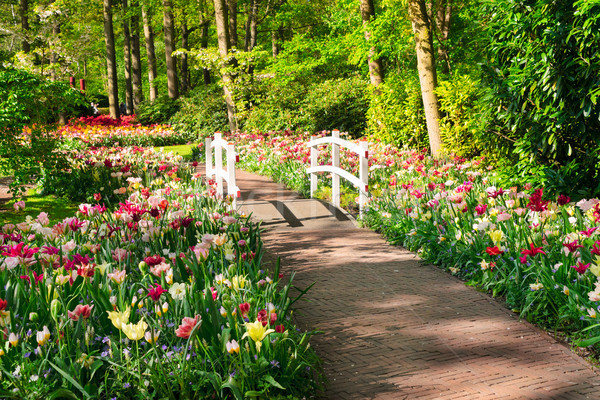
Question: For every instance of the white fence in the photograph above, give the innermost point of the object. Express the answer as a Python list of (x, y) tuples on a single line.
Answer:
[(219, 173), (362, 182)]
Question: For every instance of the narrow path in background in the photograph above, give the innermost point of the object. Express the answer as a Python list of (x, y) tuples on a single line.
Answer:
[(397, 329)]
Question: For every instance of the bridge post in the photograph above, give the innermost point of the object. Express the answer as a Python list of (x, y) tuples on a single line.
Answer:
[(219, 164), (231, 184), (314, 157), (363, 175), (335, 178)]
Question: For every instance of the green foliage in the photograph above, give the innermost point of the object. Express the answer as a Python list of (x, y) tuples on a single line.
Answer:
[(156, 112), (28, 99), (202, 112), (544, 75), (462, 125), (333, 104), (396, 114)]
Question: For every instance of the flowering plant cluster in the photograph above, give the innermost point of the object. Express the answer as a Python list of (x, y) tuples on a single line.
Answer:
[(98, 133), (109, 173), (542, 256), (159, 296), (105, 120)]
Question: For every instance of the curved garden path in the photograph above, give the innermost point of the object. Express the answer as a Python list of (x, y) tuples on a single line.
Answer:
[(395, 328)]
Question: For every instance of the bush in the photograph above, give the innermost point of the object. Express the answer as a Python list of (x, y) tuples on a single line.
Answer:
[(333, 104), (396, 114), (156, 112), (462, 126), (201, 113), (544, 74)]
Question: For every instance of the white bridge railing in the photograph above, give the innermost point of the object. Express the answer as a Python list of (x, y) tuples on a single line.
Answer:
[(220, 174), (361, 183)]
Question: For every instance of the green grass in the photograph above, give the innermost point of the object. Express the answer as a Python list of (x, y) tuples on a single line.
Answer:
[(56, 208), (184, 150)]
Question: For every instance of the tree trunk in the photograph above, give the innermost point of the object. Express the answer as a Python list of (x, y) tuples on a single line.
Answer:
[(127, 58), (136, 59), (427, 75), (367, 11), (204, 45), (23, 12), (111, 61), (444, 15), (223, 40), (204, 23), (150, 53), (233, 36), (251, 26), (169, 49), (185, 83)]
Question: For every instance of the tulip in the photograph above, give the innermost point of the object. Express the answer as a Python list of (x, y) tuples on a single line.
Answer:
[(257, 332), (135, 331)]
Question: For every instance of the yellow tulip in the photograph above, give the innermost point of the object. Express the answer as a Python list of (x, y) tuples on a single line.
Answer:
[(135, 332), (257, 332), (119, 318)]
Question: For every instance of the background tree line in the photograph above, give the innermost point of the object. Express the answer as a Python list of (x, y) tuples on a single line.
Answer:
[(513, 80)]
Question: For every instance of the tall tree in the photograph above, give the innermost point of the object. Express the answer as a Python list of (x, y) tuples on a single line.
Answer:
[(232, 8), (136, 60), (127, 58), (24, 14), (417, 11), (442, 19), (221, 21), (150, 53), (367, 11), (169, 24), (204, 23), (111, 60), (251, 26)]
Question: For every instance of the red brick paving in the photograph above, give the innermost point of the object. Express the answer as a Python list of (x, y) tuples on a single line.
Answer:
[(395, 328)]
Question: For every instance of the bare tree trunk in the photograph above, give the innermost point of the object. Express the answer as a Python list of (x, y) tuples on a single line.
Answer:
[(136, 59), (111, 61), (367, 11), (172, 83), (185, 83), (204, 23), (233, 36), (127, 58), (251, 26), (150, 53), (427, 75), (204, 45), (223, 39), (23, 12), (444, 15)]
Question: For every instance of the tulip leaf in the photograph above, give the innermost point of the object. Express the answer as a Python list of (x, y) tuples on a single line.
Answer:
[(273, 382), (70, 379), (63, 394)]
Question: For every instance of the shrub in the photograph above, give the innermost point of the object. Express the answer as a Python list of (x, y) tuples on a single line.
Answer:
[(396, 114), (462, 126), (202, 113), (333, 104), (156, 112)]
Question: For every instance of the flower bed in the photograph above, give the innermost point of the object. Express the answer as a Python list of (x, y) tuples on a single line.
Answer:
[(105, 173), (103, 130), (541, 256), (160, 296)]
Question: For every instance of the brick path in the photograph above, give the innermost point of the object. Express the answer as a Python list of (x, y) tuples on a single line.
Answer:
[(395, 328)]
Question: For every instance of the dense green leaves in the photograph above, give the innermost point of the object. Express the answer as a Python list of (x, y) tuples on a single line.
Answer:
[(543, 76)]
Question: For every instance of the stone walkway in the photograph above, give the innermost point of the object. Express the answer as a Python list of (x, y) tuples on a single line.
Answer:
[(395, 328)]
